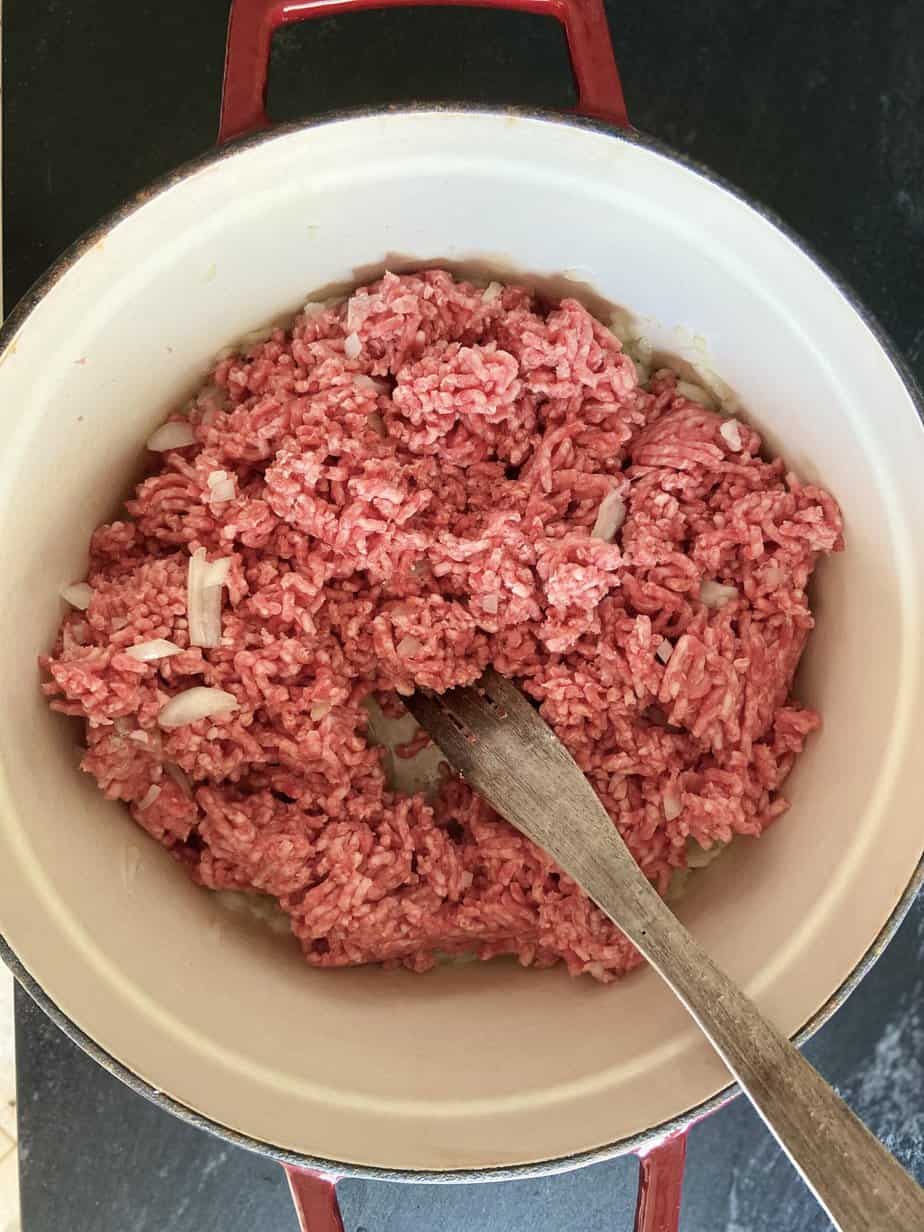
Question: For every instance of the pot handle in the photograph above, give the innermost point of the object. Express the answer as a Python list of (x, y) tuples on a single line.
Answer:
[(660, 1182), (315, 1198), (252, 22)]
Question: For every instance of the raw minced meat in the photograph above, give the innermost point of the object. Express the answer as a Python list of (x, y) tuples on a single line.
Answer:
[(408, 486)]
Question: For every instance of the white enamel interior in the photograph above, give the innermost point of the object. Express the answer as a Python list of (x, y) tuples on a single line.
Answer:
[(481, 1065)]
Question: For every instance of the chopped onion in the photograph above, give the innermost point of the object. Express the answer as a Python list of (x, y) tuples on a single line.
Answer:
[(314, 308), (664, 651), (409, 646), (352, 346), (319, 710), (610, 517), (220, 485), (672, 807), (714, 594), (490, 604), (156, 648), (216, 572), (695, 393), (731, 434), (149, 797), (203, 598), (194, 704), (174, 435), (491, 292), (149, 740), (223, 491), (180, 777), (78, 595)]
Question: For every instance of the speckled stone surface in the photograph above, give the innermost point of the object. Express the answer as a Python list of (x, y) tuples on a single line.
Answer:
[(818, 111)]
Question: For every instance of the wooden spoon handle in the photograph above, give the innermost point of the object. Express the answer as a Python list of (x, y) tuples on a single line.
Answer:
[(504, 750), (861, 1186)]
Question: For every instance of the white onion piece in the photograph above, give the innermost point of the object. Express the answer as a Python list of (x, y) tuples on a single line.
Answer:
[(174, 435), (194, 704), (610, 517), (672, 807), (203, 598), (491, 292), (731, 434), (216, 572), (319, 710), (78, 595), (149, 797), (314, 308), (695, 393), (352, 346), (714, 594), (357, 311), (409, 646), (223, 491), (490, 603), (149, 740), (180, 777), (156, 648), (664, 651)]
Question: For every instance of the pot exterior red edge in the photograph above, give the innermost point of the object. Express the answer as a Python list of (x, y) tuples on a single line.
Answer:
[(251, 25), (660, 1184), (315, 1198)]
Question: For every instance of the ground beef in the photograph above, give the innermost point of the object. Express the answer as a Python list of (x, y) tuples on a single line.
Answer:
[(405, 486)]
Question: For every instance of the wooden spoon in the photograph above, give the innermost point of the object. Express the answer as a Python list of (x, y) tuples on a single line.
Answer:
[(502, 748)]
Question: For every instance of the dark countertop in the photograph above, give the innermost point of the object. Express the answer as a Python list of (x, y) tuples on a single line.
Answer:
[(818, 111)]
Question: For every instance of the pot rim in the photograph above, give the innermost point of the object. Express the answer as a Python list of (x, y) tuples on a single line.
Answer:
[(636, 1142)]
